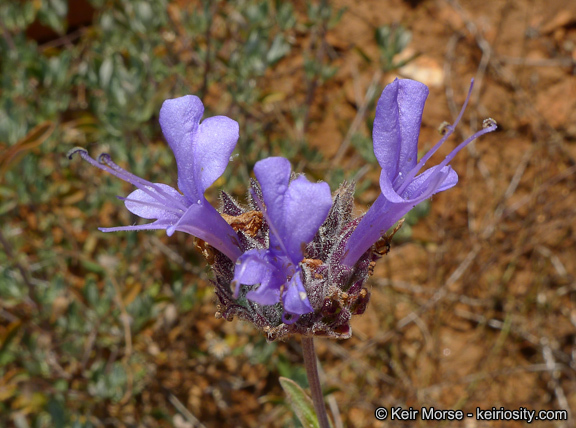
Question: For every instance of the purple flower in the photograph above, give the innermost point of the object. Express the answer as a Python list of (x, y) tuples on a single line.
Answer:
[(294, 211), (292, 260), (202, 152), (395, 135)]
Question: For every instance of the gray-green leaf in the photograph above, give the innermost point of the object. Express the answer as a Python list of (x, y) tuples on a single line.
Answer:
[(300, 403)]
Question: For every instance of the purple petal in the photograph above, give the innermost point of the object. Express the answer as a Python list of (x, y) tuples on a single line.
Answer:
[(428, 178), (273, 174), (295, 298), (213, 146), (204, 222), (179, 120), (296, 209), (422, 187), (202, 151), (391, 207), (145, 205), (253, 267), (306, 207), (379, 218), (397, 126), (265, 294)]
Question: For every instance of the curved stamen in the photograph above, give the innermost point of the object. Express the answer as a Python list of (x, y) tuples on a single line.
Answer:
[(149, 188), (453, 153), (449, 131), (86, 157), (75, 150)]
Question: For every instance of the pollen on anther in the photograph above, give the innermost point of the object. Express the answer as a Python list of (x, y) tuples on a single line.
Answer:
[(443, 128), (487, 123), (103, 158), (302, 295), (75, 150)]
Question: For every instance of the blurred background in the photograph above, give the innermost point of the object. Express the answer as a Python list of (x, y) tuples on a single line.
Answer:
[(475, 306)]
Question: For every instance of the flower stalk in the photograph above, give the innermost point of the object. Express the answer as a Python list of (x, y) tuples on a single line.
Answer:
[(311, 366)]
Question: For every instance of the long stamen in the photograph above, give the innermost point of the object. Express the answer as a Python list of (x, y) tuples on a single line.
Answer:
[(449, 131), (86, 157), (490, 125), (104, 167), (106, 164), (107, 160)]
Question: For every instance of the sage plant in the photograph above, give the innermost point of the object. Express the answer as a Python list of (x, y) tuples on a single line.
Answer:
[(293, 259)]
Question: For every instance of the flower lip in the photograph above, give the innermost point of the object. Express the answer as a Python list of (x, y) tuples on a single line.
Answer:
[(449, 130), (294, 210), (171, 209), (397, 126), (396, 129), (202, 151)]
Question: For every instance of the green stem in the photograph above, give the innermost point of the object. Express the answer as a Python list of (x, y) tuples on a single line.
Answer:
[(314, 380)]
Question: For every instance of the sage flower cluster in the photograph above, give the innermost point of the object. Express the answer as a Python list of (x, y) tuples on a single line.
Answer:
[(293, 259)]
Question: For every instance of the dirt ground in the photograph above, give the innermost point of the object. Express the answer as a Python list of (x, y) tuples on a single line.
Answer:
[(479, 308)]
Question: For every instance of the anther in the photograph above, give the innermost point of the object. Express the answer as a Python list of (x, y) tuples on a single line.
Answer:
[(487, 123), (75, 150), (444, 128), (104, 158)]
